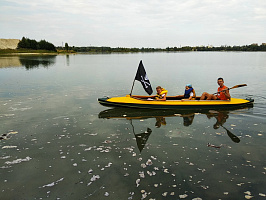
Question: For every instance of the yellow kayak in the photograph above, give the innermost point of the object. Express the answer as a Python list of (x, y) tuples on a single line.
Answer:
[(172, 102)]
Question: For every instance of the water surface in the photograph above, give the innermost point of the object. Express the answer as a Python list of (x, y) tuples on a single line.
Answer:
[(57, 142)]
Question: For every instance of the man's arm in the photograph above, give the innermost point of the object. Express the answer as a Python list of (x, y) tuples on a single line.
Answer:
[(227, 94)]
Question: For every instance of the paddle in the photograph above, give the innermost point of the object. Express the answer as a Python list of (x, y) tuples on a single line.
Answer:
[(236, 86), (233, 137)]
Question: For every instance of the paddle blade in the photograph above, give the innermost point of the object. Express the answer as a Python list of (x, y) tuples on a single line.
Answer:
[(237, 86), (233, 137)]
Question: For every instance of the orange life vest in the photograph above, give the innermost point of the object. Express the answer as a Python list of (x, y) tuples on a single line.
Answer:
[(220, 94)]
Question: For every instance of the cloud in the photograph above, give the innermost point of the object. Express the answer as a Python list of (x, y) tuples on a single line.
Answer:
[(136, 23)]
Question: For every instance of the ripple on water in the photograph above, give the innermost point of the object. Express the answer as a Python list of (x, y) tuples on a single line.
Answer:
[(52, 184), (18, 160)]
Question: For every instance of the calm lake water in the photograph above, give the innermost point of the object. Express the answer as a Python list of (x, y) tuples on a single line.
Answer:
[(58, 142)]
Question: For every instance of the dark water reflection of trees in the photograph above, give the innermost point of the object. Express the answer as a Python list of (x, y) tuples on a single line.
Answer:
[(28, 61), (31, 62)]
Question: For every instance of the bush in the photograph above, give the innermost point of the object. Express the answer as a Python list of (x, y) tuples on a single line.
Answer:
[(26, 43)]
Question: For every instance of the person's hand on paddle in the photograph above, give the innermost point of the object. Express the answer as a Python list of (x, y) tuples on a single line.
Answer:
[(224, 91)]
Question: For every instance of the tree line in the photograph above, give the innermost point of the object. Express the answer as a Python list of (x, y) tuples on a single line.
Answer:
[(252, 47), (103, 49), (93, 49), (26, 43)]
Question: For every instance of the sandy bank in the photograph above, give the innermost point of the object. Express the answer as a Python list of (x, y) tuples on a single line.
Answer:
[(9, 43)]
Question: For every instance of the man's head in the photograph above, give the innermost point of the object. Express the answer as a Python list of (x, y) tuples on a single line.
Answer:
[(220, 82)]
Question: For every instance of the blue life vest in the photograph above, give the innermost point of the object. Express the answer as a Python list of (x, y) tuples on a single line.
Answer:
[(187, 92)]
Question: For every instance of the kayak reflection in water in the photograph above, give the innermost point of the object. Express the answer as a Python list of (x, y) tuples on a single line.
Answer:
[(160, 117), (160, 121), (188, 119)]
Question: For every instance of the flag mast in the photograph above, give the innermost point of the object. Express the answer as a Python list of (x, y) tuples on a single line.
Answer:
[(134, 82), (132, 87)]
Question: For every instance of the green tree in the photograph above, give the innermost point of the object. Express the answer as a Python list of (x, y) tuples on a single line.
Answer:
[(66, 46), (26, 43)]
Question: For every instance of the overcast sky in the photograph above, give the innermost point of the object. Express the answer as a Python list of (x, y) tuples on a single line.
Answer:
[(135, 23)]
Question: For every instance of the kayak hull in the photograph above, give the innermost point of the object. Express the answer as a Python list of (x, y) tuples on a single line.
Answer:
[(171, 103)]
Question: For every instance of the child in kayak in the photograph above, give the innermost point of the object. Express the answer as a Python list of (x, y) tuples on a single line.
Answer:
[(161, 94), (189, 93)]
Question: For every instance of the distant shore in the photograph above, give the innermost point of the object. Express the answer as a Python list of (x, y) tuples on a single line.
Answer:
[(32, 52), (14, 47), (107, 50), (91, 49)]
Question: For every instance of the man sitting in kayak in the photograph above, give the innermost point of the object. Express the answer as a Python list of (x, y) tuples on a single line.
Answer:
[(161, 94), (222, 92), (189, 93)]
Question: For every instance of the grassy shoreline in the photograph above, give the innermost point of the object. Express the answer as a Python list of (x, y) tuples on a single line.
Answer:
[(32, 52), (11, 52)]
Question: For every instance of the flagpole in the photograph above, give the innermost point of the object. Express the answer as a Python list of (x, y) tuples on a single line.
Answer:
[(133, 83), (132, 87), (132, 127)]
